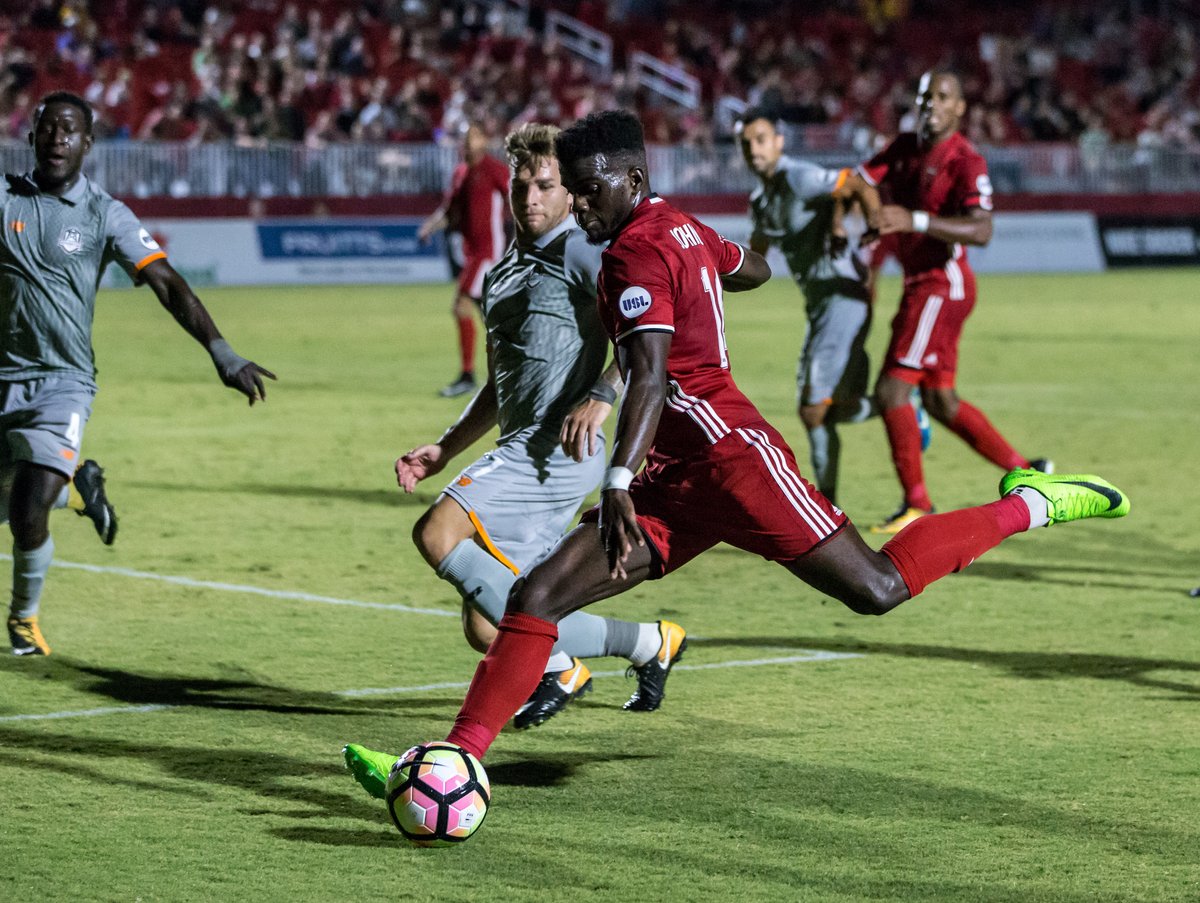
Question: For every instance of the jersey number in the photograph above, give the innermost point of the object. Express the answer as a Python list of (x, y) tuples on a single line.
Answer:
[(713, 290)]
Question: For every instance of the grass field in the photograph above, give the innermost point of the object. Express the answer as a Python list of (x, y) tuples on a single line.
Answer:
[(1026, 731)]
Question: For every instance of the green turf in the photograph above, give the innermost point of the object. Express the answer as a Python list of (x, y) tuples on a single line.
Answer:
[(1026, 731)]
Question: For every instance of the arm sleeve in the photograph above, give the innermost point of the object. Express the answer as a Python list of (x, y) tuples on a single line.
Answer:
[(637, 290), (729, 255), (876, 169), (808, 181), (973, 187), (128, 243)]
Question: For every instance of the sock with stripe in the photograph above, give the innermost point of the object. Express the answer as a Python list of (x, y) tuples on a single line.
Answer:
[(939, 544), (904, 437), (29, 576), (503, 681), (972, 426), (466, 342)]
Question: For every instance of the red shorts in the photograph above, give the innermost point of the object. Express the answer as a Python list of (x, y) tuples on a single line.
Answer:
[(470, 279), (925, 334), (745, 491)]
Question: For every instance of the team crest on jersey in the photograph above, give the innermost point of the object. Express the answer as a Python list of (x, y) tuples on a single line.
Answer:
[(148, 240), (634, 302), (71, 240)]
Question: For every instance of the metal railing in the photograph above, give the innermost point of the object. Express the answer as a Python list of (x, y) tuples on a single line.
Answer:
[(157, 169)]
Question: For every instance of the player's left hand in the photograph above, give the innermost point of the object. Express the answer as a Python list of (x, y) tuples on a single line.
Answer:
[(619, 530), (237, 372), (580, 432), (892, 218), (248, 381)]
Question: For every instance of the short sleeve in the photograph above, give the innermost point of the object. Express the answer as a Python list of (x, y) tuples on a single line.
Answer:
[(729, 255), (127, 241), (637, 289), (974, 187), (877, 168), (809, 181), (581, 262)]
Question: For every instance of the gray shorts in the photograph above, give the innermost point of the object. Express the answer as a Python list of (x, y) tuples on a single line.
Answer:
[(42, 421), (834, 362), (522, 507)]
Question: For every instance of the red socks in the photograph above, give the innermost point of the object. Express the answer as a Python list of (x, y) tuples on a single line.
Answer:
[(466, 342), (977, 431), (504, 680), (939, 544), (904, 436)]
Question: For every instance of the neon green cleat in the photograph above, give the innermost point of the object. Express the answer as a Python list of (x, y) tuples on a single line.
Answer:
[(1070, 496), (369, 768)]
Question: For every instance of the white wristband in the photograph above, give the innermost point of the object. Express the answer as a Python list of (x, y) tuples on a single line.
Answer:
[(617, 478), (920, 221)]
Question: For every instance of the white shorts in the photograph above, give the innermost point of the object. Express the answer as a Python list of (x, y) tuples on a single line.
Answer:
[(522, 506)]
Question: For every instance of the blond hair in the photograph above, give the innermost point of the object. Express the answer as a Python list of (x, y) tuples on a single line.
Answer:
[(530, 145)]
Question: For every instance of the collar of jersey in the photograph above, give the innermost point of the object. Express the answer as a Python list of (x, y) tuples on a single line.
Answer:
[(72, 197), (565, 226)]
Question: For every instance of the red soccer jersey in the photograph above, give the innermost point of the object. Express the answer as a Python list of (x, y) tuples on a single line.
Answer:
[(662, 273), (476, 207), (947, 179)]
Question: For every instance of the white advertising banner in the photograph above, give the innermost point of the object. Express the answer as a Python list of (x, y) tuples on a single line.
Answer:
[(368, 250)]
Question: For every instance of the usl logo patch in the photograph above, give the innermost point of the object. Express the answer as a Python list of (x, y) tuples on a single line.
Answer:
[(147, 240), (634, 302), (71, 240)]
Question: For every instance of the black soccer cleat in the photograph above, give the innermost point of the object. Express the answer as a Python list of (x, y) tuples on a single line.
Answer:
[(89, 483), (557, 688), (652, 676), (461, 386)]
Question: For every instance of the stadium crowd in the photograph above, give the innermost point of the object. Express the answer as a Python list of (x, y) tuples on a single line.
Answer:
[(319, 71)]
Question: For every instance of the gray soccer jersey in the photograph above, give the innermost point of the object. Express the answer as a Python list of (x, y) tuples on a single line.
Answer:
[(548, 347), (794, 212), (52, 254)]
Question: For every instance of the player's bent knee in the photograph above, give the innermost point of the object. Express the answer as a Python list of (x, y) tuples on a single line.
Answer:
[(534, 597)]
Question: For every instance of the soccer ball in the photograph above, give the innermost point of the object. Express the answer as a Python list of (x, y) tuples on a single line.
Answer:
[(438, 794)]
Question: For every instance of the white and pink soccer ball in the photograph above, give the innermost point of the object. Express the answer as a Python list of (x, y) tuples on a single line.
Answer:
[(438, 794)]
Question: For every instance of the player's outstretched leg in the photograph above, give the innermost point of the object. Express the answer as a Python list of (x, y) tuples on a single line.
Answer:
[(870, 582), (89, 499), (369, 768)]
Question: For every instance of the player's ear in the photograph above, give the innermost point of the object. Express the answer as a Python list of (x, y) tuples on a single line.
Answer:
[(637, 179), (88, 140)]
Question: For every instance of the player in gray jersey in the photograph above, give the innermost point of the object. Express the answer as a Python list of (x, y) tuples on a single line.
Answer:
[(798, 208), (547, 394), (59, 232)]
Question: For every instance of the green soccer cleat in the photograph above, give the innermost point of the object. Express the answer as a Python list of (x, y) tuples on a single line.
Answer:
[(1070, 496), (369, 768)]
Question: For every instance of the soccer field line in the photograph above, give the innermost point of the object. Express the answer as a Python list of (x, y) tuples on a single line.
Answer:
[(805, 655), (244, 588)]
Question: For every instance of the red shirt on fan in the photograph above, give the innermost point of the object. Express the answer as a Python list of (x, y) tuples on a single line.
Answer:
[(662, 273), (948, 179), (477, 201)]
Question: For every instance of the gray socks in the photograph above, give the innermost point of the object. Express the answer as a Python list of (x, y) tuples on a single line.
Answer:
[(29, 575)]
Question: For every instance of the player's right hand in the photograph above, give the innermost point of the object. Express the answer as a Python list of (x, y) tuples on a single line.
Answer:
[(619, 530), (422, 462)]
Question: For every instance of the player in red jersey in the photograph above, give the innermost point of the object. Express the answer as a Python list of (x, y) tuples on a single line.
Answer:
[(715, 470), (474, 208), (940, 199)]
